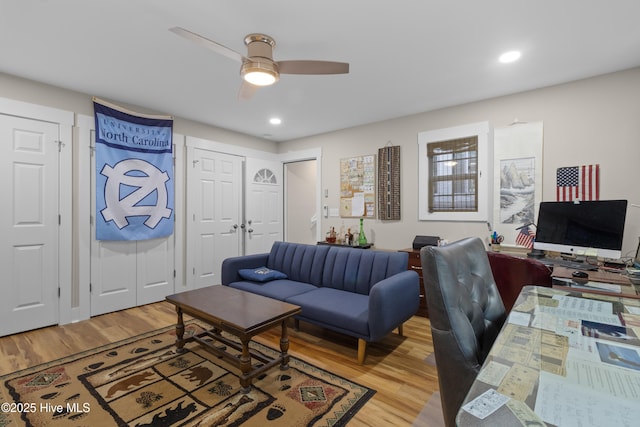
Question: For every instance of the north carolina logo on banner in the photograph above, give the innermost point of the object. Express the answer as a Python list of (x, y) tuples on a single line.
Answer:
[(119, 209), (134, 175)]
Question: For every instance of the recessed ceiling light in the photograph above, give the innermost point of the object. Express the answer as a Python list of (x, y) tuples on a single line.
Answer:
[(511, 56), (275, 121)]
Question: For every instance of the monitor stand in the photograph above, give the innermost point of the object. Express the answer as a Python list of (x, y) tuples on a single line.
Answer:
[(536, 253)]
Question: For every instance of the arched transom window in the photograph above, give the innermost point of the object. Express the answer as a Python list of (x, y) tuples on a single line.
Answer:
[(265, 176)]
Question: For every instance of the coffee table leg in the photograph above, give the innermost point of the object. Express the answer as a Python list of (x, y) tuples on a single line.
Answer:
[(284, 346), (180, 332), (245, 367)]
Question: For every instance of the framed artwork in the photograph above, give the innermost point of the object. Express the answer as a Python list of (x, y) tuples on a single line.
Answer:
[(389, 183), (517, 190), (358, 187)]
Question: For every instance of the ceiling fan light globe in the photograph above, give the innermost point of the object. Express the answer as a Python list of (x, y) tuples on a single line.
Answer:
[(260, 78), (259, 73)]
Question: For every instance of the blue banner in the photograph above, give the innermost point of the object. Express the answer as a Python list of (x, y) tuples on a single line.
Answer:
[(134, 175)]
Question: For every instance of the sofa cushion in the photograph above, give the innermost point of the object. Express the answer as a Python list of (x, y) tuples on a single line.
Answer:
[(261, 274), (280, 289), (358, 270), (300, 262), (341, 309)]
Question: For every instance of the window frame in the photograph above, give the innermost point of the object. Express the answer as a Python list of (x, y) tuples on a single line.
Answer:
[(483, 132)]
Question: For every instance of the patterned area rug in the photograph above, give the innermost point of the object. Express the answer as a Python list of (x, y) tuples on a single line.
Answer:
[(142, 381)]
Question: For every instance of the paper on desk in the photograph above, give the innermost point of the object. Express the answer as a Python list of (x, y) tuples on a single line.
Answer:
[(524, 414), (576, 401), (493, 373), (545, 320), (620, 355), (584, 305), (582, 308), (618, 383), (519, 318), (485, 404)]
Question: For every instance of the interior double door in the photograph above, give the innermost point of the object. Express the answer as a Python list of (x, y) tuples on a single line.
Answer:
[(127, 274), (234, 207)]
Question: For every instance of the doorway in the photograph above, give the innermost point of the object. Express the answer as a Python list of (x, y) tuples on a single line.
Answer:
[(301, 207), (35, 256), (220, 222)]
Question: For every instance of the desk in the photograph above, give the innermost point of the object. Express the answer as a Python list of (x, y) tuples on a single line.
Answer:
[(627, 289), (414, 264), (547, 368)]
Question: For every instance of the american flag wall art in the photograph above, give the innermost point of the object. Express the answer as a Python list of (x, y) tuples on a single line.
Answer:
[(578, 183)]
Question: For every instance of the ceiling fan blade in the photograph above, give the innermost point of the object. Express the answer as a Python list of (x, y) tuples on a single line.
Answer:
[(247, 90), (312, 67), (209, 44)]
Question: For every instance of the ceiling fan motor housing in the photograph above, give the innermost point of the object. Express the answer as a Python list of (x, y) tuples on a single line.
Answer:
[(259, 56), (259, 45)]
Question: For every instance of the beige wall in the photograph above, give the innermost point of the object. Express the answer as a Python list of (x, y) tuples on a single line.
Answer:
[(20, 89), (595, 120)]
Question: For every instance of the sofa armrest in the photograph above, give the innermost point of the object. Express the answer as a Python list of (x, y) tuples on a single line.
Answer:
[(393, 301), (231, 266)]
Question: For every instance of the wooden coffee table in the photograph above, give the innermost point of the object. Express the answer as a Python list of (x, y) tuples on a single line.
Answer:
[(241, 314)]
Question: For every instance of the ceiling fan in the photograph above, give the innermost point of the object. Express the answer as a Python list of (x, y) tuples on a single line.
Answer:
[(258, 67)]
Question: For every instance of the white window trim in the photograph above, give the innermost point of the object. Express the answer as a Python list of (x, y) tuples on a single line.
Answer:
[(485, 148)]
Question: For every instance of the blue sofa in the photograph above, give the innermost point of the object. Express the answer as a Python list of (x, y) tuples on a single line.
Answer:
[(362, 293)]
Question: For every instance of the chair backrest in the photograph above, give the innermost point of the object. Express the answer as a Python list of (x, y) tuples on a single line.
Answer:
[(511, 273), (466, 314)]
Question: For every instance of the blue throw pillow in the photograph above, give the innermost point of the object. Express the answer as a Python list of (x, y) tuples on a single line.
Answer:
[(261, 274)]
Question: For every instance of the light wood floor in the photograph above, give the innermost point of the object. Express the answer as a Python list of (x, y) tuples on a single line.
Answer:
[(400, 369)]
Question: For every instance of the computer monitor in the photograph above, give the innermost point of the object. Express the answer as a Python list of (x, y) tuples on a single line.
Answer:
[(582, 228)]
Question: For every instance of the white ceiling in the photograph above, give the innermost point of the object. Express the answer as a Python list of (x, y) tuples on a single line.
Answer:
[(406, 56)]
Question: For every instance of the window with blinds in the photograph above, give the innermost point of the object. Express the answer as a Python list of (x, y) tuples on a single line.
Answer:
[(453, 175)]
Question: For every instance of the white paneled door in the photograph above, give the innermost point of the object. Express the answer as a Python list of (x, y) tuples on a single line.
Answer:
[(29, 224), (127, 274), (214, 214), (113, 275), (264, 205)]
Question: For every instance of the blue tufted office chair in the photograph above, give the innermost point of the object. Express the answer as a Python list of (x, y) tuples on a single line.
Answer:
[(466, 314)]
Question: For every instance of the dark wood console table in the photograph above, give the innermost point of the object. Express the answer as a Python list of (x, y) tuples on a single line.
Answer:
[(340, 245)]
